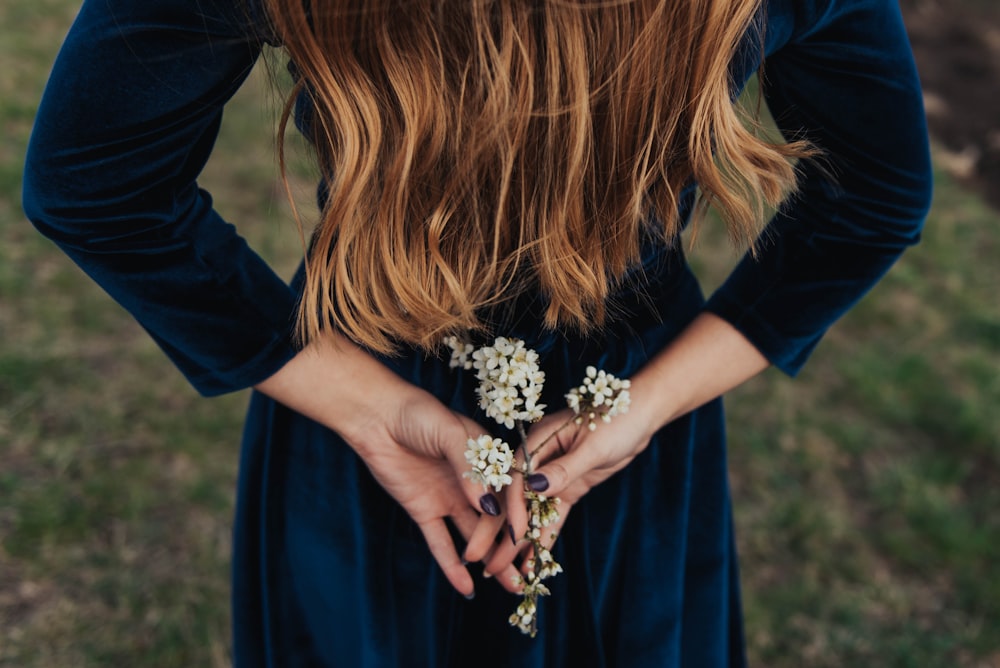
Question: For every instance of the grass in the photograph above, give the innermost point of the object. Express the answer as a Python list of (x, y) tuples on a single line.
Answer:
[(865, 490)]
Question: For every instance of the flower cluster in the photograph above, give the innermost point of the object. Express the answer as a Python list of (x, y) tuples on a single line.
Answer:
[(524, 617), (510, 386), (491, 460), (510, 381), (600, 396), (539, 568), (542, 512)]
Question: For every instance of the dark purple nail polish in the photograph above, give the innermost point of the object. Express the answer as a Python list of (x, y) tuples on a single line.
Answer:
[(513, 536), (537, 482), (489, 504)]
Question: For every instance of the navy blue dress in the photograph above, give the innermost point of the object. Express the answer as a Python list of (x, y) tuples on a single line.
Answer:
[(327, 569)]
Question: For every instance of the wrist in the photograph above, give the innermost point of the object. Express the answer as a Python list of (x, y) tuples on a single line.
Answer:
[(344, 388), (709, 358), (653, 404)]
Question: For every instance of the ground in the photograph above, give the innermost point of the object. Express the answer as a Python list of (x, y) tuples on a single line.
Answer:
[(957, 47)]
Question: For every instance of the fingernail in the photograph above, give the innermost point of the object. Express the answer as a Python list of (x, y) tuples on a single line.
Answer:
[(513, 536), (537, 482), (469, 597), (489, 504), (486, 574), (465, 562)]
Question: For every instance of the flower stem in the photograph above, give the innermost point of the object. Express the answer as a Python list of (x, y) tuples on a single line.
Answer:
[(549, 437), (524, 443)]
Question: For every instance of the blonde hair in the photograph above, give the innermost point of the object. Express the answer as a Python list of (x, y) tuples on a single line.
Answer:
[(475, 149)]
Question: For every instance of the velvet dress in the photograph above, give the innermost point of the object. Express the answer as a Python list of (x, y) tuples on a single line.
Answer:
[(327, 569)]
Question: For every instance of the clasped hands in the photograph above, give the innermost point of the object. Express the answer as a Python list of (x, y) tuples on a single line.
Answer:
[(414, 446), (417, 455)]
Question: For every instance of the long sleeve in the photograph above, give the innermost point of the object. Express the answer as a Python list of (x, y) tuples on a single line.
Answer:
[(128, 119), (840, 73)]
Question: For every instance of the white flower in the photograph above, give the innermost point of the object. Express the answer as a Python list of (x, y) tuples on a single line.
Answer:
[(600, 396), (524, 616), (460, 352), (620, 403), (491, 460), (510, 382)]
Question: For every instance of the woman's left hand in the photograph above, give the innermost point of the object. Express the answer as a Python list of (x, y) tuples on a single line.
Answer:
[(569, 462), (707, 359)]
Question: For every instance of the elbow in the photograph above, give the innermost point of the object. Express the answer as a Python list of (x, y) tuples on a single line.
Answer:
[(42, 196), (81, 206), (893, 201), (910, 186), (913, 201)]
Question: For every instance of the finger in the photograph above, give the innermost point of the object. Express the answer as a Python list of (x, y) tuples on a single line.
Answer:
[(506, 572), (529, 554), (481, 539), (504, 556), (511, 540), (553, 477), (465, 520), (517, 511), (443, 549), (510, 579)]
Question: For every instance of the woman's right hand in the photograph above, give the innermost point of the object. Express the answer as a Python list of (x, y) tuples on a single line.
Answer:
[(413, 445)]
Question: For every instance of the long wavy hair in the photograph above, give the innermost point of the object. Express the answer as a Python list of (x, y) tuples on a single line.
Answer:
[(475, 149)]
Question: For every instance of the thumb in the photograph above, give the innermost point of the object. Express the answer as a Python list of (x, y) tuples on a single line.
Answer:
[(553, 477)]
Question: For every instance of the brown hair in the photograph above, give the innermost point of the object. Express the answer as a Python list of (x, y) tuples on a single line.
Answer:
[(477, 148)]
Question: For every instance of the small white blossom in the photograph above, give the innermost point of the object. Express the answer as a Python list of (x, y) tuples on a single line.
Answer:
[(491, 460), (524, 617), (460, 353), (600, 396)]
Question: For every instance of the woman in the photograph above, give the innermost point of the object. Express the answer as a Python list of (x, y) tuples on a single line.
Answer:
[(497, 168)]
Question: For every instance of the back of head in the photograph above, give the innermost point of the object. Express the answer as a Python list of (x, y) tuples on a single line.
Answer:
[(475, 150)]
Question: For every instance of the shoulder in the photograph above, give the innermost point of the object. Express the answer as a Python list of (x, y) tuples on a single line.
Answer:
[(243, 20), (792, 21)]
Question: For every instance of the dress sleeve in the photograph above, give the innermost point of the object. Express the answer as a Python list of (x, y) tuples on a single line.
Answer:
[(128, 119), (843, 78)]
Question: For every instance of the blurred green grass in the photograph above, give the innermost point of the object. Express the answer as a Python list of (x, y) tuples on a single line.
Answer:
[(865, 490)]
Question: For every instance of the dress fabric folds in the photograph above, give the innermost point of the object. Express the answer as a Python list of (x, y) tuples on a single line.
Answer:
[(327, 569)]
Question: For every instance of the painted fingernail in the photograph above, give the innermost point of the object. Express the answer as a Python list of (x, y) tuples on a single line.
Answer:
[(513, 536), (469, 597), (489, 504), (537, 482), (465, 562)]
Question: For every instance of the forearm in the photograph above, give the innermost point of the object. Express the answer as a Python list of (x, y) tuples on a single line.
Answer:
[(411, 443), (708, 359), (334, 382)]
